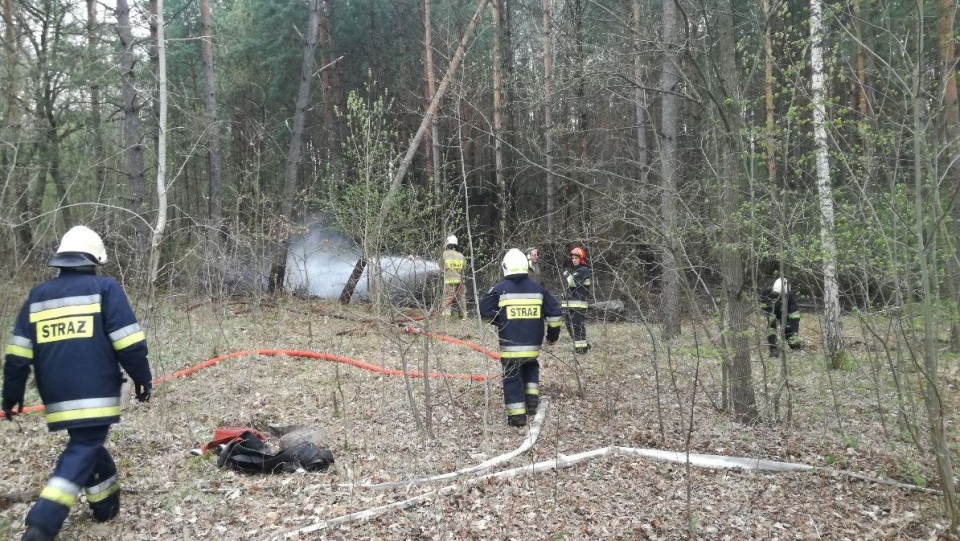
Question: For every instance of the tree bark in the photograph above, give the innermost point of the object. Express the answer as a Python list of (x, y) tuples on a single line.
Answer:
[(670, 277), (502, 198), (161, 224), (737, 302), (329, 81), (548, 115), (932, 388), (833, 339), (215, 206), (769, 138), (640, 95), (951, 134), (428, 117), (433, 138), (96, 121), (15, 186), (295, 149), (132, 136)]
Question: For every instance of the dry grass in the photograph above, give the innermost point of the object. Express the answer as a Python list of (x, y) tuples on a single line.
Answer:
[(372, 429)]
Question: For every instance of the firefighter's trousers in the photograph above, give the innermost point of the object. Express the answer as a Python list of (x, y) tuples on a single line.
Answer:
[(84, 465), (791, 331), (521, 385), (576, 322), (454, 297)]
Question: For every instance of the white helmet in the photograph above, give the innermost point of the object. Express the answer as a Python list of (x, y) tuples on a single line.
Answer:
[(515, 262), (780, 286), (79, 247), (452, 239)]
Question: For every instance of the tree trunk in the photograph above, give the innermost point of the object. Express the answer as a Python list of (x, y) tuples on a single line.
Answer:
[(294, 151), (329, 82), (769, 138), (951, 134), (12, 131), (737, 300), (132, 136), (502, 198), (833, 339), (670, 119), (433, 161), (428, 117), (932, 389), (161, 226), (640, 95), (96, 122), (210, 105), (548, 115)]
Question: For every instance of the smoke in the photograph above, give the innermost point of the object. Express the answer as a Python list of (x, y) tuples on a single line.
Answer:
[(320, 262)]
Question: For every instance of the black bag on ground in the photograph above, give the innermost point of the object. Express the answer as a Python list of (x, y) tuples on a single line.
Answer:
[(248, 454)]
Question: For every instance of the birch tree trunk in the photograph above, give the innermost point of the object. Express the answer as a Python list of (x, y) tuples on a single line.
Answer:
[(548, 115), (295, 149), (832, 337), (670, 278), (161, 225)]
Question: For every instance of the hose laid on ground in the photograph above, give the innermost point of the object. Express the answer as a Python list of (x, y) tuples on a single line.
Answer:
[(536, 425), (324, 356), (566, 461), (186, 372)]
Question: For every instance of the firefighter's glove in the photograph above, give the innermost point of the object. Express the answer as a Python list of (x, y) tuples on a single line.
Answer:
[(553, 334), (142, 391), (8, 405)]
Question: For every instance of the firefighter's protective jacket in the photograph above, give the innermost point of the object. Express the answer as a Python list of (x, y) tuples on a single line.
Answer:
[(77, 330), (518, 307), (772, 304), (454, 264), (578, 287)]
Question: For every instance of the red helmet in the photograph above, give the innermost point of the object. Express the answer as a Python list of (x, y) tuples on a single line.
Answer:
[(579, 252)]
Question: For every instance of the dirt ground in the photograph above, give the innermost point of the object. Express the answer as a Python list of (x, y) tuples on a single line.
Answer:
[(622, 393)]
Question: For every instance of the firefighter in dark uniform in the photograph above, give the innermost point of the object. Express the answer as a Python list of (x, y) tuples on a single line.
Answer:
[(454, 266), (577, 280), (519, 307), (76, 331), (772, 300)]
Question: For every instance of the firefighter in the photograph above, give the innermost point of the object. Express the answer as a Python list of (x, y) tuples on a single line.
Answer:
[(577, 280), (454, 291), (519, 307), (76, 332), (772, 300)]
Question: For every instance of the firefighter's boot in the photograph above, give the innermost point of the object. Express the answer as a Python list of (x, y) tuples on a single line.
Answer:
[(533, 402), (517, 420), (36, 534), (106, 509)]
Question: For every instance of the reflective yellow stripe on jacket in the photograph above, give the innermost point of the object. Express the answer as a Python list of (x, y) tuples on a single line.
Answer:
[(86, 408)]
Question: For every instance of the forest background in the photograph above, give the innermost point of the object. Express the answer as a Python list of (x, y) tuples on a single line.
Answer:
[(698, 149)]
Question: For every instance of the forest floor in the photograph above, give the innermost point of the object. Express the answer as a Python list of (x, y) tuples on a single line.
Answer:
[(628, 396)]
